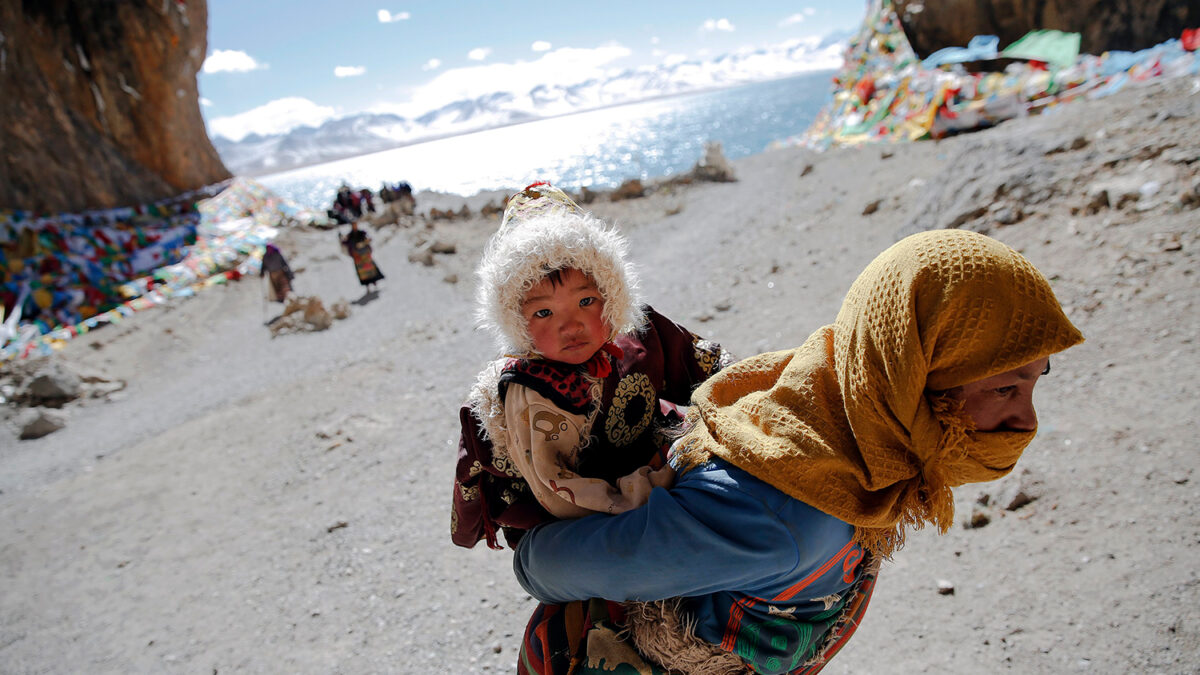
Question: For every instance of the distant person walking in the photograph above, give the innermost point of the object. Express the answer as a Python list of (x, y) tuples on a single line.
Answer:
[(358, 245), (275, 268)]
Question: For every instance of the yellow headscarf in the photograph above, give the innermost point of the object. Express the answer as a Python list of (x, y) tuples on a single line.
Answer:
[(844, 423)]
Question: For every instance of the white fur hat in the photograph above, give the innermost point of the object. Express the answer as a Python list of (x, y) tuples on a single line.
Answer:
[(544, 230)]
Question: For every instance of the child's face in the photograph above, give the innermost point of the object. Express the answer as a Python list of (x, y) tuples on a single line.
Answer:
[(566, 319)]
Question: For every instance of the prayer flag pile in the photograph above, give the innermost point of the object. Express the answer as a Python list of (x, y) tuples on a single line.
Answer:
[(63, 275), (884, 93)]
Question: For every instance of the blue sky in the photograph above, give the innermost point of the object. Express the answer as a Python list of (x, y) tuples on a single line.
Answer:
[(273, 65)]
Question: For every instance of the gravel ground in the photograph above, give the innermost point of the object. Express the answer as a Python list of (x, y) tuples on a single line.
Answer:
[(260, 504)]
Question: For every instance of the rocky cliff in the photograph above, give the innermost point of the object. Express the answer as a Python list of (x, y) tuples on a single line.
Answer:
[(1103, 24), (99, 105)]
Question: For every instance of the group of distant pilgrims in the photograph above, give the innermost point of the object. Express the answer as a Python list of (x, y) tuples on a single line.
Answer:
[(349, 206)]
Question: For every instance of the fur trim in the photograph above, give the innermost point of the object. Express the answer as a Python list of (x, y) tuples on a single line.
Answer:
[(665, 636), (522, 252), (484, 401)]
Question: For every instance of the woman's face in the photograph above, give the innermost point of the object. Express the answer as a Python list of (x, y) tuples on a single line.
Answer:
[(1003, 402)]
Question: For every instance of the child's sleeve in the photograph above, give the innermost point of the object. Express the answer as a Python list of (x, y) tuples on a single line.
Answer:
[(688, 359), (490, 496), (544, 443)]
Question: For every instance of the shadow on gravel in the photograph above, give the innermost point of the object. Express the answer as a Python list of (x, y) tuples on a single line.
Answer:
[(369, 296)]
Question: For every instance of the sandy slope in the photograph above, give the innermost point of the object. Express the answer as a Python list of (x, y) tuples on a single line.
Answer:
[(259, 504)]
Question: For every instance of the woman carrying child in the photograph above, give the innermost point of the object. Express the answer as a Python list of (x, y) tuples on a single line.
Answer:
[(569, 422), (802, 469)]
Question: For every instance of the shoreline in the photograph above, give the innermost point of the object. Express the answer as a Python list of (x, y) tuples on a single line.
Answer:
[(825, 95)]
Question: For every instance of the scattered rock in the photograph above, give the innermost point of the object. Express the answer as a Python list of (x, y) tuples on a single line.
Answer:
[(337, 526), (38, 422), (422, 254), (1077, 143), (1168, 242), (979, 518), (1097, 201), (1016, 490), (1006, 215), (491, 209), (442, 247), (303, 313), (871, 207), (392, 212), (316, 315), (53, 385), (449, 214), (713, 167), (808, 168), (340, 309), (1120, 191), (450, 278), (630, 189), (1190, 197), (586, 196), (945, 587)]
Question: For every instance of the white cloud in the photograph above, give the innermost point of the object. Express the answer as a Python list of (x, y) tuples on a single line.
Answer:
[(479, 53), (277, 117), (540, 46), (793, 19), (349, 71), (231, 61), (432, 64), (387, 17), (205, 102), (809, 11), (674, 60), (717, 24), (654, 40)]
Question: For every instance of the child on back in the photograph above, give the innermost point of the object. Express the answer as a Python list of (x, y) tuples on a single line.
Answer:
[(569, 422)]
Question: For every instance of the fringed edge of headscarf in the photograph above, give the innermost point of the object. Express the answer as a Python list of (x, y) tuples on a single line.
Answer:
[(931, 500), (688, 453), (666, 635)]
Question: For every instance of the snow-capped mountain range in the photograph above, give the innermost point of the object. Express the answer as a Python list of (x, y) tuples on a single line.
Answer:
[(364, 133)]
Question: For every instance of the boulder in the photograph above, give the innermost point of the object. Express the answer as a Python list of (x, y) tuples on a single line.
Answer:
[(303, 313), (1103, 25), (100, 106), (713, 167), (315, 314), (37, 422), (630, 189), (53, 385)]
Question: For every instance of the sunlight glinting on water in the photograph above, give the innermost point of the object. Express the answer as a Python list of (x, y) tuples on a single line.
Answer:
[(597, 149)]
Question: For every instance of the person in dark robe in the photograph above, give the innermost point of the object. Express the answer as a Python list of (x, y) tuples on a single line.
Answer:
[(358, 246), (275, 268)]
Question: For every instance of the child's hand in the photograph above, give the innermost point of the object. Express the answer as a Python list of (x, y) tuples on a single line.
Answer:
[(634, 490), (663, 478)]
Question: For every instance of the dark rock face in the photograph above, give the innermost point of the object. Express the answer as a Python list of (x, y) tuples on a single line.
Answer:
[(99, 105), (1102, 24)]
